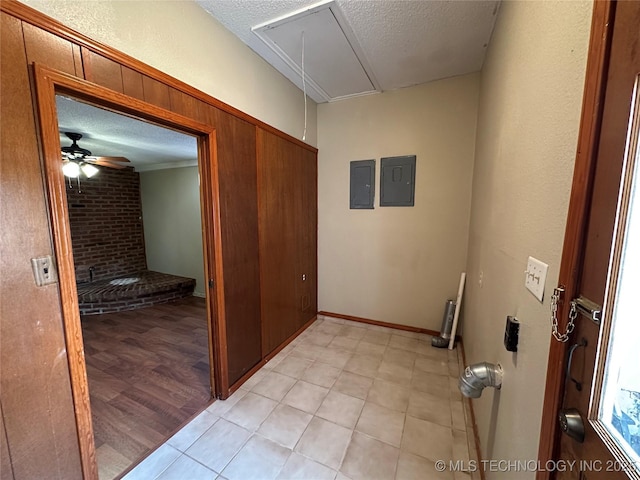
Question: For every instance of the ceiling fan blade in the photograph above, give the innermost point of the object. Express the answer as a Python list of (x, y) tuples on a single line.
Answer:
[(109, 159), (106, 163)]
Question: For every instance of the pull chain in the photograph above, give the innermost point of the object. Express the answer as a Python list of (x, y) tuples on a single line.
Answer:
[(304, 92)]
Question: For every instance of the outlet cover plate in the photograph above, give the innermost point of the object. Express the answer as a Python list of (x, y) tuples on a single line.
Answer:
[(536, 276)]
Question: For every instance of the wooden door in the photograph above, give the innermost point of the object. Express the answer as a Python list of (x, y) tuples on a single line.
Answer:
[(276, 187), (288, 222), (306, 219), (602, 453), (236, 141)]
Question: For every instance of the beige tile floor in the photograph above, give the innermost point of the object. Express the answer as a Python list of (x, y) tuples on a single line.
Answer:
[(344, 400)]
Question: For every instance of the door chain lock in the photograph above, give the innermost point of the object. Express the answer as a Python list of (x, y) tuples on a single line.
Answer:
[(580, 305), (573, 314), (587, 308)]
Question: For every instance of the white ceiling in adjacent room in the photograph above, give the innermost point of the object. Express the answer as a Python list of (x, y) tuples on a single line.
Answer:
[(105, 133), (356, 47)]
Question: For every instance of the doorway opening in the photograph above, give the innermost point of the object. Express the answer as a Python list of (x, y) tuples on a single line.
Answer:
[(136, 233), (144, 352)]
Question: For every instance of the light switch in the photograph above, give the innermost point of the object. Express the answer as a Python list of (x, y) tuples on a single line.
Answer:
[(536, 275), (44, 270)]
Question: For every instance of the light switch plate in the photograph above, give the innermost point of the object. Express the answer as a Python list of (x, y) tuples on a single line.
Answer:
[(536, 275), (44, 270)]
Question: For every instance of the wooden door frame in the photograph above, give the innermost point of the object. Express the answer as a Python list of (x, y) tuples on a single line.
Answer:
[(579, 203), (48, 83)]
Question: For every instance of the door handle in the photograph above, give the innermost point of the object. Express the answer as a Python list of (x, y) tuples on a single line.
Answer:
[(570, 419), (574, 347)]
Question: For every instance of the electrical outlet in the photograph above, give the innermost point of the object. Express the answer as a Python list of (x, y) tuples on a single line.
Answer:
[(44, 271), (536, 275)]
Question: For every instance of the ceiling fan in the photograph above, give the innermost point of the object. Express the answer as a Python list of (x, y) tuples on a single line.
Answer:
[(76, 159)]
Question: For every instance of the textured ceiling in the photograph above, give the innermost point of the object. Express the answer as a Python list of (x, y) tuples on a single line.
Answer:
[(404, 42), (400, 43), (105, 133), (327, 40)]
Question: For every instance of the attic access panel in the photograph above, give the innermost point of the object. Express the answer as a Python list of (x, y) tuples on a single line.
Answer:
[(335, 66), (397, 181)]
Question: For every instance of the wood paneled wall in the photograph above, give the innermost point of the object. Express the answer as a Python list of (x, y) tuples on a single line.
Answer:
[(6, 468), (239, 209), (34, 378), (307, 234), (288, 237), (38, 433)]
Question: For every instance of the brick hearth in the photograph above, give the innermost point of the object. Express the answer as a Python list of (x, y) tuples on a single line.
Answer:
[(151, 288)]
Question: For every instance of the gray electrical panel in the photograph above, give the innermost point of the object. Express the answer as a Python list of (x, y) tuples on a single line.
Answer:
[(397, 181), (362, 184)]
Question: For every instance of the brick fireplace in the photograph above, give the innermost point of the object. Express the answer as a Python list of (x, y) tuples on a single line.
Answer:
[(105, 214)]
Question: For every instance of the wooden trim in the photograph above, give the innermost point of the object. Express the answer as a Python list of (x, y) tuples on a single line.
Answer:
[(48, 82), (215, 270), (45, 94), (469, 401), (473, 417), (266, 359), (619, 237), (476, 438), (77, 60), (397, 326), (87, 65), (116, 102), (246, 376), (40, 20), (281, 347), (590, 122), (210, 260), (618, 243)]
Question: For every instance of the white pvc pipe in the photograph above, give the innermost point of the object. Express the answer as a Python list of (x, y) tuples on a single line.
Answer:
[(452, 340)]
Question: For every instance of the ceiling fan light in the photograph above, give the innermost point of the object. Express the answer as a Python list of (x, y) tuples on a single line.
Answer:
[(89, 170), (71, 169)]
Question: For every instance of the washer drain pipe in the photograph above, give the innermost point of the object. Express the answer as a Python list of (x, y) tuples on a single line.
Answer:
[(476, 377)]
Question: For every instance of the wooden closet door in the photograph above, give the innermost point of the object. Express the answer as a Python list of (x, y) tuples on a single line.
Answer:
[(280, 203), (306, 219), (236, 141)]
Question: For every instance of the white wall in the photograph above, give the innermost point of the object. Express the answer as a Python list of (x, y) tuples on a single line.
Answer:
[(530, 102), (172, 223), (397, 264), (181, 39)]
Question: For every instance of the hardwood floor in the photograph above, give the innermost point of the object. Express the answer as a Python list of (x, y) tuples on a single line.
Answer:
[(148, 373)]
